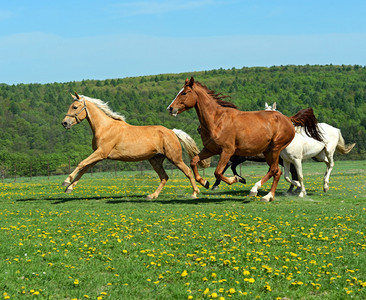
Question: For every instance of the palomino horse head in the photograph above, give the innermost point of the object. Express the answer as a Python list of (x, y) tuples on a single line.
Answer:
[(76, 113), (186, 99)]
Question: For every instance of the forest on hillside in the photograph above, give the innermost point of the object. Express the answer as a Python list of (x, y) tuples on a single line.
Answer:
[(31, 114)]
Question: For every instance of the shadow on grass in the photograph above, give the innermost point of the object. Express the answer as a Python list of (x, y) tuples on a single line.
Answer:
[(205, 197)]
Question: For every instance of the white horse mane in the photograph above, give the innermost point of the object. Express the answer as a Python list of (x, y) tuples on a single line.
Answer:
[(103, 106)]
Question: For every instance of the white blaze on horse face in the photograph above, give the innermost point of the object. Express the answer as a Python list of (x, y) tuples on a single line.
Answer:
[(175, 114)]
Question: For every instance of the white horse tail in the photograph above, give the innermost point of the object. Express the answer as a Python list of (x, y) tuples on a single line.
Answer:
[(190, 146), (341, 146)]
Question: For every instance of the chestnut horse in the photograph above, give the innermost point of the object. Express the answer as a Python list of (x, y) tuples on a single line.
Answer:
[(113, 138), (228, 131)]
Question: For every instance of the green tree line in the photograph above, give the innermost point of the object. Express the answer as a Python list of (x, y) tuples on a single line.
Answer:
[(31, 114)]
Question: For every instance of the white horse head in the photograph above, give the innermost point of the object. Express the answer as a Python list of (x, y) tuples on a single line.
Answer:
[(270, 107)]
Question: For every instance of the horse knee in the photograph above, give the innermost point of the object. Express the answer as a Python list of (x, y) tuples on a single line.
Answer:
[(194, 161), (217, 175), (276, 172)]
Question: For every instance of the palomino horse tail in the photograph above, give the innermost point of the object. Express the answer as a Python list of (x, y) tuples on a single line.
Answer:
[(190, 146), (341, 146), (306, 118)]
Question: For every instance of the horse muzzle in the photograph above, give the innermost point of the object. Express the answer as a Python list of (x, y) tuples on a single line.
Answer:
[(66, 124), (172, 112)]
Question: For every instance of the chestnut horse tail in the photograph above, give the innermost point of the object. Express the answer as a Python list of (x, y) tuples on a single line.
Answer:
[(190, 146), (306, 118)]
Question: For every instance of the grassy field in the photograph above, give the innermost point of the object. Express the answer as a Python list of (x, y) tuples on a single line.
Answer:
[(106, 241)]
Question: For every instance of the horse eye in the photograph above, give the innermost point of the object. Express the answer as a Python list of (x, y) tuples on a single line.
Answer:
[(75, 107), (184, 93)]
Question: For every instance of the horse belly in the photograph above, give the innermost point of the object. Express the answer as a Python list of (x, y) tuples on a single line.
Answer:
[(251, 145), (312, 148), (136, 152)]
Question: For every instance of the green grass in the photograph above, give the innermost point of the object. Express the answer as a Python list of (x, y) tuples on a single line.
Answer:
[(106, 241)]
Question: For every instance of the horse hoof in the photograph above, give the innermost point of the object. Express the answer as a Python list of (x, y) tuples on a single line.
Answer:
[(252, 194), (68, 191), (263, 199), (194, 196), (207, 184), (326, 189), (215, 187), (151, 197), (267, 198), (241, 179), (66, 183)]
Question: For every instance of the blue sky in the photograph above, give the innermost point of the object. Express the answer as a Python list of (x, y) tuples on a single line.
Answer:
[(61, 41)]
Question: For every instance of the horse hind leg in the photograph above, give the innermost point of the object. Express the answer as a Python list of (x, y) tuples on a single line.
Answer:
[(187, 171), (157, 164)]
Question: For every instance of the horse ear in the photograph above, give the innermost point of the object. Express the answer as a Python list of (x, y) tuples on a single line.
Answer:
[(191, 82), (73, 97), (186, 82), (77, 96), (266, 105), (274, 106)]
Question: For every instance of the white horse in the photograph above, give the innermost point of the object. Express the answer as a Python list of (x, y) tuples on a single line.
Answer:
[(303, 147)]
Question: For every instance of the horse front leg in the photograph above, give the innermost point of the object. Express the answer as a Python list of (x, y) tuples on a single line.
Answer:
[(224, 158), (274, 171), (218, 181), (330, 165), (205, 153), (298, 166), (85, 164), (70, 187), (237, 160)]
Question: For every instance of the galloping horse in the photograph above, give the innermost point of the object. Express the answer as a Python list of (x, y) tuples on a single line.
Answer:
[(303, 147), (236, 160), (227, 131), (113, 138)]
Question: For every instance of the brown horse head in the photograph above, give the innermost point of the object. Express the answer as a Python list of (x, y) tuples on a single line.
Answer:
[(76, 113), (188, 96), (185, 99)]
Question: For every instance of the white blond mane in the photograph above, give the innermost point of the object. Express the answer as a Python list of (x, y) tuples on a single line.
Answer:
[(103, 106)]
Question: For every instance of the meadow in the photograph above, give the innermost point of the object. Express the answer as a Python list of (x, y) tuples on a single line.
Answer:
[(107, 241)]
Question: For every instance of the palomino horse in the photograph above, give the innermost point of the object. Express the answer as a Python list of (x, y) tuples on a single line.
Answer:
[(113, 138), (303, 147), (227, 131)]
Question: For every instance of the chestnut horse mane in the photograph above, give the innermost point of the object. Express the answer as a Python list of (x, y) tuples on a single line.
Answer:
[(306, 118), (217, 97), (103, 106)]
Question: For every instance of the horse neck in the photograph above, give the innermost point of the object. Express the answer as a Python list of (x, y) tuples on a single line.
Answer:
[(97, 118), (206, 109)]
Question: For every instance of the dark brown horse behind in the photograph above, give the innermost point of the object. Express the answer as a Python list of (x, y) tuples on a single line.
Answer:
[(227, 131)]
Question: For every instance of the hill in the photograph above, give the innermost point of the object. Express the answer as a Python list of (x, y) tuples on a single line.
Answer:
[(31, 114)]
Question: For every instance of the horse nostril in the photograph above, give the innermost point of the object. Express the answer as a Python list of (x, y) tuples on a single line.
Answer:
[(64, 123)]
